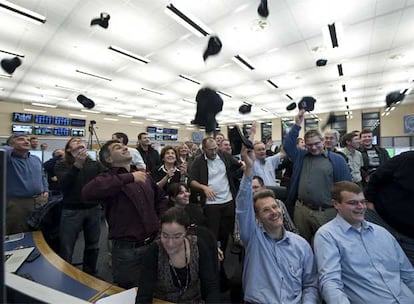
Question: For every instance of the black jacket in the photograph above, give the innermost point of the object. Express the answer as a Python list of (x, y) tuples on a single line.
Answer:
[(151, 158)]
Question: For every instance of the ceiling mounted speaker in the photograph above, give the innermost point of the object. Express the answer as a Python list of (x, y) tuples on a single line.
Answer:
[(10, 65), (85, 101)]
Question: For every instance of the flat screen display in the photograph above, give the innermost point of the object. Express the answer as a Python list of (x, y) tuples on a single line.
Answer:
[(43, 119), (40, 130), (78, 132), (61, 131), (174, 137), (151, 129), (160, 130), (22, 129), (61, 121), (78, 122), (22, 117)]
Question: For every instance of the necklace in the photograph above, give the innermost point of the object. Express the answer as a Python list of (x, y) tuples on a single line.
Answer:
[(182, 287)]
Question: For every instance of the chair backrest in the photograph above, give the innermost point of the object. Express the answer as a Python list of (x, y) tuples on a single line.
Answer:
[(279, 191)]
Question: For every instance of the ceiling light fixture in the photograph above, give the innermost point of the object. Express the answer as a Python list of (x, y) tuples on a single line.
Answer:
[(22, 12), (44, 105), (332, 33), (129, 55), (5, 76), (189, 22), (67, 88), (77, 115), (35, 110), (151, 119), (93, 75), (224, 94), (274, 85), (343, 88), (243, 62), (189, 78), (111, 119), (288, 97), (136, 122), (90, 111), (152, 91), (340, 70), (12, 53), (346, 99), (125, 116), (189, 101)]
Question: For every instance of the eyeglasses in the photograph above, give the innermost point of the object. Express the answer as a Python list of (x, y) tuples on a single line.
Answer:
[(356, 202), (173, 237)]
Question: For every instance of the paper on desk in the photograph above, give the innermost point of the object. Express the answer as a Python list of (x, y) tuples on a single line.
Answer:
[(124, 297)]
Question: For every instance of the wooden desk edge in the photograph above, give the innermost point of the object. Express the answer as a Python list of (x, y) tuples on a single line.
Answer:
[(67, 268)]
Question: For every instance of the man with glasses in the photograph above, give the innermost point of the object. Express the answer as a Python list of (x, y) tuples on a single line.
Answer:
[(315, 170), (358, 261)]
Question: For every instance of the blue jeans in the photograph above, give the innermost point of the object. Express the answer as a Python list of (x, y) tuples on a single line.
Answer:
[(127, 265), (71, 223)]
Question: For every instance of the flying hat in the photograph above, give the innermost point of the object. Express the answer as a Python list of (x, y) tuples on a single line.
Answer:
[(245, 108), (331, 120), (307, 103), (262, 10), (237, 139), (209, 103), (213, 47), (102, 21), (10, 65), (394, 97), (321, 62), (291, 106), (85, 101)]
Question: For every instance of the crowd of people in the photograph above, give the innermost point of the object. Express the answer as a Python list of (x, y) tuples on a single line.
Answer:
[(343, 234)]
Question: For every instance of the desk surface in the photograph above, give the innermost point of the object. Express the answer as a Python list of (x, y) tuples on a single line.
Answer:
[(52, 271)]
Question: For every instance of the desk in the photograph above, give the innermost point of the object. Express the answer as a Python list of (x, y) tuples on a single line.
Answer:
[(52, 271)]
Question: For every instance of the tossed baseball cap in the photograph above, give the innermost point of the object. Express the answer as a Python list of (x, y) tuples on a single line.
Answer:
[(307, 103), (213, 48), (237, 139), (85, 101), (394, 97), (10, 65), (245, 108)]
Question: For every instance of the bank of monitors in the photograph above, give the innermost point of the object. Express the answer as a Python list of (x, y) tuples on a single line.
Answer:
[(43, 119), (22, 129)]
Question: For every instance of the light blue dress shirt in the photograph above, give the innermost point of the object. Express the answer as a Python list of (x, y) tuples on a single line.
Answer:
[(266, 169), (275, 271), (366, 266)]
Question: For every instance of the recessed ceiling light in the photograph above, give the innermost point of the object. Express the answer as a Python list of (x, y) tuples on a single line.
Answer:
[(129, 55), (77, 115), (187, 20), (136, 122), (243, 62), (125, 116), (90, 111), (111, 119), (93, 75)]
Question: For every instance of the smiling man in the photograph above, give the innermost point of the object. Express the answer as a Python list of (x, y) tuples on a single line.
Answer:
[(133, 206), (358, 261), (26, 184), (279, 265), (315, 170)]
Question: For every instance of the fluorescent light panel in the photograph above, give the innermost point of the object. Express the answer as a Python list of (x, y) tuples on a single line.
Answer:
[(243, 62), (125, 116), (44, 105), (5, 76), (189, 22), (22, 12), (224, 94), (271, 83), (90, 111), (94, 75), (111, 119), (288, 97), (152, 91), (12, 53), (136, 122), (129, 54), (77, 115), (67, 88), (189, 78), (340, 70), (35, 110), (332, 33)]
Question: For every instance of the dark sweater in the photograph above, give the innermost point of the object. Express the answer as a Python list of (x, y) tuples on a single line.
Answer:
[(391, 190)]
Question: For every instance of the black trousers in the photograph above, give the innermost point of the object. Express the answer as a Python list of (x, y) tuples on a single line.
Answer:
[(220, 220)]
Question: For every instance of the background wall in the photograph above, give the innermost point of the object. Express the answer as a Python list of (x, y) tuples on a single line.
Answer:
[(391, 125)]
